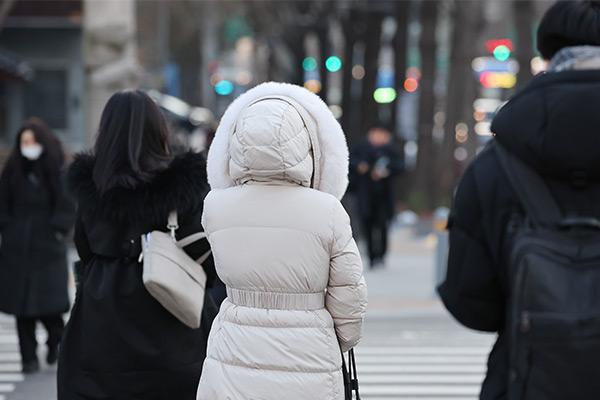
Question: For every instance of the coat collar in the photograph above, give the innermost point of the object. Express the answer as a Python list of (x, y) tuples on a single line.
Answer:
[(182, 186)]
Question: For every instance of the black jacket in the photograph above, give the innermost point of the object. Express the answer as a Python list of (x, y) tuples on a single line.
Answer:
[(553, 125), (33, 261), (375, 198), (120, 343)]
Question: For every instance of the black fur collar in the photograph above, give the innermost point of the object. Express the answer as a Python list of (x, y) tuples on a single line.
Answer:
[(182, 186)]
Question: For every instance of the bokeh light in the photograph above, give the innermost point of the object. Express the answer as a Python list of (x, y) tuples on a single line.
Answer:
[(358, 72), (243, 78), (461, 154), (333, 64), (309, 64), (313, 85), (502, 52), (215, 79), (224, 88), (411, 84), (384, 95)]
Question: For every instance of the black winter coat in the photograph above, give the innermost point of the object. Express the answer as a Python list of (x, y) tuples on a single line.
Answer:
[(553, 125), (120, 343), (33, 260), (375, 198)]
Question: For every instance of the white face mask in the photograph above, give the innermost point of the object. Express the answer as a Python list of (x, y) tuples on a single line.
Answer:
[(32, 152)]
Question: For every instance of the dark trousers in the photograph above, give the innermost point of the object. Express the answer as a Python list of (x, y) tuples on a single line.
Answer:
[(27, 341), (376, 234)]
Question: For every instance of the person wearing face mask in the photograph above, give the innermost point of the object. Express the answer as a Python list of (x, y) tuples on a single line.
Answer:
[(35, 216)]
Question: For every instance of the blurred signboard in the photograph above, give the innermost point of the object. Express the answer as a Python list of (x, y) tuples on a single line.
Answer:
[(494, 73)]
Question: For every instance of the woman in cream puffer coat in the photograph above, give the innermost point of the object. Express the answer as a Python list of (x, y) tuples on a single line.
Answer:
[(282, 244)]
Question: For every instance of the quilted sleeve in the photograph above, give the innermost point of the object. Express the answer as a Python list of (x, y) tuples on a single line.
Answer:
[(346, 291)]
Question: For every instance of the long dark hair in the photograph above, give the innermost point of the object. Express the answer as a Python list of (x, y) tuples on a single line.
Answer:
[(132, 143), (47, 168)]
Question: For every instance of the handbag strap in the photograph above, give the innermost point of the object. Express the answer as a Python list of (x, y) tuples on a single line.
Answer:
[(173, 225), (194, 237), (353, 374), (350, 376)]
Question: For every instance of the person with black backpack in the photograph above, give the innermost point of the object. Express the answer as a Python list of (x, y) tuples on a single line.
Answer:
[(524, 256)]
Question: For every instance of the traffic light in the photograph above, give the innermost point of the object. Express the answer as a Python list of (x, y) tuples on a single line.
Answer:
[(309, 64), (333, 64), (500, 48), (224, 87)]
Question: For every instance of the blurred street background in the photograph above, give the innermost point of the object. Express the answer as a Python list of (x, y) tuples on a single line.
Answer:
[(433, 70)]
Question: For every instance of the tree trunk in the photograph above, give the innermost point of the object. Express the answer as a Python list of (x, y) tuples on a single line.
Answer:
[(400, 44), (524, 21), (5, 9), (372, 45), (462, 89), (350, 38), (426, 183), (323, 34)]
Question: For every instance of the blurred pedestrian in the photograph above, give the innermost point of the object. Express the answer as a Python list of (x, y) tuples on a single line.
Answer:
[(120, 343), (283, 246), (35, 216), (549, 128), (374, 163)]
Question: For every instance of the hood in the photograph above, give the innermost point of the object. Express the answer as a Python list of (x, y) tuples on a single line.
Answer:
[(553, 124), (181, 186), (277, 132)]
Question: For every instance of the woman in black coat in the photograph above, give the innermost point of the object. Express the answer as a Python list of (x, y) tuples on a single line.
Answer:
[(120, 342), (35, 215)]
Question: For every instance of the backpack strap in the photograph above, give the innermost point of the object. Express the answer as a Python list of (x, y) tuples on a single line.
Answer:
[(530, 188)]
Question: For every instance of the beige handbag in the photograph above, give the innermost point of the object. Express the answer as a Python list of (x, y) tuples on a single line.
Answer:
[(171, 276)]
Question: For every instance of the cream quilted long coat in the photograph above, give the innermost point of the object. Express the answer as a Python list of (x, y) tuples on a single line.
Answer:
[(282, 244)]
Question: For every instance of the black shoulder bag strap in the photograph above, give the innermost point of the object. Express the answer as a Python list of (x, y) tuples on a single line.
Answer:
[(530, 188), (350, 377)]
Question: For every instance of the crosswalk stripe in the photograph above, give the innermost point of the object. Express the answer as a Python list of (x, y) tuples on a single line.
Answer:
[(422, 351), (411, 368), (414, 390), (440, 362), (6, 387), (10, 367), (422, 359), (10, 357), (12, 377), (11, 338), (433, 379), (420, 398)]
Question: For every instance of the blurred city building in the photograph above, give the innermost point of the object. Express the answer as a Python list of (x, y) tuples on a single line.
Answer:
[(41, 45)]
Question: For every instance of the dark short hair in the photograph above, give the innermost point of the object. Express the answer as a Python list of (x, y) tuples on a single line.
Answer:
[(569, 23), (132, 143), (380, 125)]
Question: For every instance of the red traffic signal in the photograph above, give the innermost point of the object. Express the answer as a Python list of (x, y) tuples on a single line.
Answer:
[(491, 45)]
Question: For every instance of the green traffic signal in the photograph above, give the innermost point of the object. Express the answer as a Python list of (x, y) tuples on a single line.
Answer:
[(501, 52), (333, 64), (309, 64)]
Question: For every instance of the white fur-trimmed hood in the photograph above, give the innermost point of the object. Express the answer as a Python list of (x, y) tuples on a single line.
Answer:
[(333, 165)]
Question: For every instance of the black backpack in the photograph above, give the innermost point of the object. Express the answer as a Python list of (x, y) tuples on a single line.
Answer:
[(554, 315)]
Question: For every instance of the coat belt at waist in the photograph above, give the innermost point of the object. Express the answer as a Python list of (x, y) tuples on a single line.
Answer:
[(277, 301)]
